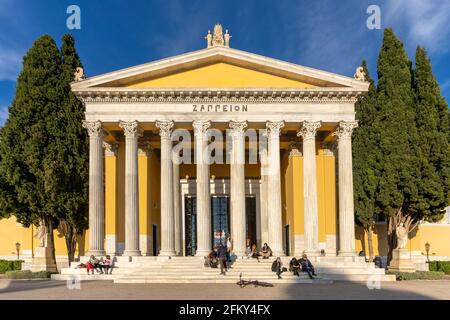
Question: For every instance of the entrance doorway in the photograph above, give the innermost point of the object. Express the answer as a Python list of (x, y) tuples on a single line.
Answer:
[(220, 208), (250, 218), (190, 205), (220, 220)]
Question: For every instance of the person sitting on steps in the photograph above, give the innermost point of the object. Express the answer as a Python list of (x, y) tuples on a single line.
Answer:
[(266, 252), (307, 266), (277, 266), (107, 264), (211, 260), (254, 252), (93, 264), (294, 266)]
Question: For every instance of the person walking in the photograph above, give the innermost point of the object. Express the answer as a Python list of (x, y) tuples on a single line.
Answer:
[(222, 257)]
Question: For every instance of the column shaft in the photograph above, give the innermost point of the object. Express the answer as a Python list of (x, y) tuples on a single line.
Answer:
[(203, 189), (167, 212), (264, 196), (308, 131), (237, 190), (274, 218), (177, 209), (345, 184), (132, 133), (96, 194)]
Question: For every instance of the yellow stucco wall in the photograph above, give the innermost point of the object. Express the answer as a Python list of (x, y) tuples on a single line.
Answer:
[(220, 75), (437, 235)]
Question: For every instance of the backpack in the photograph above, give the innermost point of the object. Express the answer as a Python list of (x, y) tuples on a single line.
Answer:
[(274, 266)]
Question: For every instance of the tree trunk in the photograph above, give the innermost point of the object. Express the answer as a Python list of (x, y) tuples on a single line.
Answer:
[(71, 243), (370, 243), (70, 237)]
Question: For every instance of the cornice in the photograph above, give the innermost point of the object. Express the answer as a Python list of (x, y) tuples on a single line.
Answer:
[(127, 95)]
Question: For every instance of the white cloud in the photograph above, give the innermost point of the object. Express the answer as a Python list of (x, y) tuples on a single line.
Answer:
[(425, 23), (10, 63)]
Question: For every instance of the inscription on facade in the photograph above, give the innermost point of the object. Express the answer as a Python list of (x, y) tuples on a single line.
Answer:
[(219, 108)]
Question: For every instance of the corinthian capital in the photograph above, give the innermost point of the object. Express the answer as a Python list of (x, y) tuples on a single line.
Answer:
[(344, 129), (200, 127), (308, 129), (94, 128), (165, 128), (274, 127), (237, 127), (131, 129)]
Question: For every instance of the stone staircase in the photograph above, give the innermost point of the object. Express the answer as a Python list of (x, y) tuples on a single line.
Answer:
[(191, 270)]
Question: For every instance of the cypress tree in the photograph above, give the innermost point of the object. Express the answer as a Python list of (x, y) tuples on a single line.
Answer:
[(72, 146), (433, 146), (396, 134), (28, 161), (365, 174)]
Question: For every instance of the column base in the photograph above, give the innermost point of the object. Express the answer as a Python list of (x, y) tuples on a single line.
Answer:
[(278, 254), (346, 254), (132, 253), (96, 253), (312, 253), (202, 253), (167, 253)]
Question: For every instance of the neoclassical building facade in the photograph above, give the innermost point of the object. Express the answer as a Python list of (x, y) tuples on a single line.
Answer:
[(304, 118), (191, 148)]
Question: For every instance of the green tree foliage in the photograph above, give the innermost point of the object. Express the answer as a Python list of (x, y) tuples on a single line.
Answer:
[(43, 163), (365, 154), (397, 137), (432, 123), (72, 149), (411, 132), (27, 161)]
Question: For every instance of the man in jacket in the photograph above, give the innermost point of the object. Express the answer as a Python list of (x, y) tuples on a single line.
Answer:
[(222, 257), (307, 266)]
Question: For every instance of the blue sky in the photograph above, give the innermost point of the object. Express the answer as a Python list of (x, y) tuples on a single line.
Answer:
[(325, 34)]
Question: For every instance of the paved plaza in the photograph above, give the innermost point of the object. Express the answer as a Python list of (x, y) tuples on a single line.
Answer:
[(106, 290)]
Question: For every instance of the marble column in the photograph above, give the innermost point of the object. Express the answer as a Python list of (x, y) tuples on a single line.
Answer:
[(177, 209), (132, 132), (345, 185), (237, 189), (274, 210), (263, 193), (167, 213), (308, 132), (203, 191), (96, 194)]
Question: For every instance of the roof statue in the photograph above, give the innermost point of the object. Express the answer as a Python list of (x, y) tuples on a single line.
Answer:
[(218, 39), (79, 74), (360, 74), (209, 39)]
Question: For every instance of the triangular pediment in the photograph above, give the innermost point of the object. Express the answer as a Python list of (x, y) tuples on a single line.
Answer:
[(219, 67)]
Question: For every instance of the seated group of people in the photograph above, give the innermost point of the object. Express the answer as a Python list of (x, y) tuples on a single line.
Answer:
[(102, 266), (296, 266), (252, 251)]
